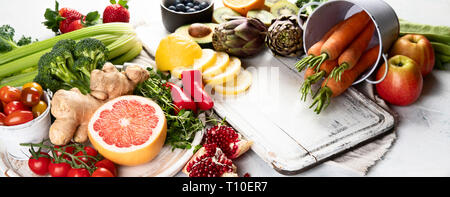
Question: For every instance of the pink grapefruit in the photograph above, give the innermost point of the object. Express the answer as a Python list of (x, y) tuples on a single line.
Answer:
[(128, 130)]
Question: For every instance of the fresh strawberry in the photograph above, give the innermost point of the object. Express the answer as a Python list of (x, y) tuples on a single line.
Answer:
[(67, 19), (117, 12)]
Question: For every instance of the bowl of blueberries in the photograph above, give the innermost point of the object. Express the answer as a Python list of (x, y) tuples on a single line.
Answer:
[(176, 13)]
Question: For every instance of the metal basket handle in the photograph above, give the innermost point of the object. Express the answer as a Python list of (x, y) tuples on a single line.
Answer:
[(385, 71), (300, 21)]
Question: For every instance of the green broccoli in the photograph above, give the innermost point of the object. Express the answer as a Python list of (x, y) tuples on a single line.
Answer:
[(70, 64), (93, 49), (7, 39), (7, 42)]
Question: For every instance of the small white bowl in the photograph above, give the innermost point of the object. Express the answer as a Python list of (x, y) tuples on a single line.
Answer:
[(31, 132)]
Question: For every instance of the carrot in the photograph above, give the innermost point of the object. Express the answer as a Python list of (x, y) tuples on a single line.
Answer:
[(333, 88), (341, 38), (311, 77), (351, 55), (314, 50)]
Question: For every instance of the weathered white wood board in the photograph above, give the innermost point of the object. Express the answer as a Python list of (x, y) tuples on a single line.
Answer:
[(272, 114)]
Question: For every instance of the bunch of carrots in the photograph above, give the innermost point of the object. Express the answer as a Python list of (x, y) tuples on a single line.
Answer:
[(341, 54)]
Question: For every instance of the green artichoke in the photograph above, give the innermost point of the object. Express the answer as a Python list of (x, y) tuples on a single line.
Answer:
[(285, 36), (240, 36)]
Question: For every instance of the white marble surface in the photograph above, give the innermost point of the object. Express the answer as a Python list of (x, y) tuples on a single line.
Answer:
[(423, 144)]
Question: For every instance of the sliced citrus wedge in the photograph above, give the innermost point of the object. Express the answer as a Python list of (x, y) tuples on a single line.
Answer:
[(231, 71), (207, 59), (176, 51), (238, 85), (221, 63)]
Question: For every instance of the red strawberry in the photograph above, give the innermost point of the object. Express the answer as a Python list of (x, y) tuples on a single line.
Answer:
[(68, 26), (67, 19), (116, 12)]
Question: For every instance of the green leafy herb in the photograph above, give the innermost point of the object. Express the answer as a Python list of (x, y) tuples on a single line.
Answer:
[(181, 128)]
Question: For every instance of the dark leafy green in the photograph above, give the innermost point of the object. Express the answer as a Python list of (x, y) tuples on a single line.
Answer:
[(181, 127)]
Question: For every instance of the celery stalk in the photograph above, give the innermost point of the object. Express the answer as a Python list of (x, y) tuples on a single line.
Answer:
[(130, 55), (19, 80), (22, 63), (108, 28), (121, 45)]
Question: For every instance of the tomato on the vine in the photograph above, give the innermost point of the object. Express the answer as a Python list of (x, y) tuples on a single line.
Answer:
[(59, 169), (78, 172), (102, 172), (106, 163), (8, 94), (39, 163), (66, 149), (84, 156)]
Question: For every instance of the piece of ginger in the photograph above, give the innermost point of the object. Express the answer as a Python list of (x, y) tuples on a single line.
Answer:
[(73, 110)]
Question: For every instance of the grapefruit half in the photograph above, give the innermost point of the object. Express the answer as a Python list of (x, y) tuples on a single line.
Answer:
[(128, 130)]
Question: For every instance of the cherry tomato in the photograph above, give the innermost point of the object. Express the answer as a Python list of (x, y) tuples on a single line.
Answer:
[(18, 117), (102, 172), (30, 96), (78, 172), (59, 169), (106, 163), (39, 108), (82, 156), (34, 85), (2, 117), (67, 149), (15, 106), (39, 165), (8, 94)]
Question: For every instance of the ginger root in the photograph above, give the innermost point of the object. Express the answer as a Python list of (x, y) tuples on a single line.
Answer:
[(73, 110)]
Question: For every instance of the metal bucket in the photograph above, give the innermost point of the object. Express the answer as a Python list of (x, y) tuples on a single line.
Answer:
[(330, 13)]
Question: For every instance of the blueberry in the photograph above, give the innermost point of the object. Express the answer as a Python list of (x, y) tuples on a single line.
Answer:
[(178, 2), (196, 3), (180, 7), (172, 8), (197, 8), (187, 8), (190, 5), (191, 10), (188, 1), (204, 5)]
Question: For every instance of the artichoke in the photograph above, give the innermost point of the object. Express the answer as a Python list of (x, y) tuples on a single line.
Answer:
[(240, 36), (285, 36)]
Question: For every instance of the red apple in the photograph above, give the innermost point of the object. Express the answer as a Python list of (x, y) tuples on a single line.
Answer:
[(418, 48), (403, 83)]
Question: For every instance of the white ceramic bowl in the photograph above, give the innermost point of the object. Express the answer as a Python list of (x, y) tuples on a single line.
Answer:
[(31, 132)]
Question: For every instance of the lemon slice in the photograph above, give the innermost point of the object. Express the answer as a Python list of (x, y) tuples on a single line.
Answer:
[(231, 71), (176, 72), (221, 63), (207, 59), (239, 84)]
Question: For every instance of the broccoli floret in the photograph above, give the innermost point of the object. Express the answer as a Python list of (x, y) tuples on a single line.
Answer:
[(70, 64), (7, 42), (55, 72), (67, 44), (7, 39), (84, 65), (93, 49)]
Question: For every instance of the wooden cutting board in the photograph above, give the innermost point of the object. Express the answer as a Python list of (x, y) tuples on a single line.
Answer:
[(288, 135)]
